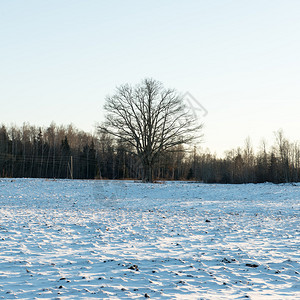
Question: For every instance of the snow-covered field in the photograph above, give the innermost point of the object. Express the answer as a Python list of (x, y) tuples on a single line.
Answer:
[(101, 239)]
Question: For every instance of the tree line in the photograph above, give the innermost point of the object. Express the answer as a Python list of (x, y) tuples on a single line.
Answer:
[(279, 163), (52, 152), (66, 152)]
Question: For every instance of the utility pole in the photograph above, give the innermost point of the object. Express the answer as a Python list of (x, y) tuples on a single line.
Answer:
[(194, 162), (87, 164), (53, 161), (12, 154), (71, 167)]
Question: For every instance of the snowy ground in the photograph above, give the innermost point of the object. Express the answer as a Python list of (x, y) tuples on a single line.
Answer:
[(92, 239)]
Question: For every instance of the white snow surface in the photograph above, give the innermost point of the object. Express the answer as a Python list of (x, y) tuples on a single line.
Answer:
[(76, 239)]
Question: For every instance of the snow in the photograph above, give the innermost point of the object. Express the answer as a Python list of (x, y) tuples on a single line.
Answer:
[(64, 239)]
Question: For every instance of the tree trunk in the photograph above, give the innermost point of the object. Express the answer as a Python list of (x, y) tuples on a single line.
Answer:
[(148, 173)]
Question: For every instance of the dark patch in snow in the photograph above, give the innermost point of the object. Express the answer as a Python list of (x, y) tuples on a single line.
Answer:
[(252, 265)]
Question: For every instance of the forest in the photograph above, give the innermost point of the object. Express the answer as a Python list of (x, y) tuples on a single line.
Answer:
[(59, 151)]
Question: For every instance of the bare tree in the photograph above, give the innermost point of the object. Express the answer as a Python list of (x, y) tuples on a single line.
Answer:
[(150, 118), (249, 159), (283, 146)]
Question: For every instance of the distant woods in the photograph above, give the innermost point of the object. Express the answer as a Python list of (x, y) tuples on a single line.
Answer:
[(52, 152), (66, 152)]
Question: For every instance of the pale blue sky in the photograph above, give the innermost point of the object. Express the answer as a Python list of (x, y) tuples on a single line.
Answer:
[(240, 59)]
